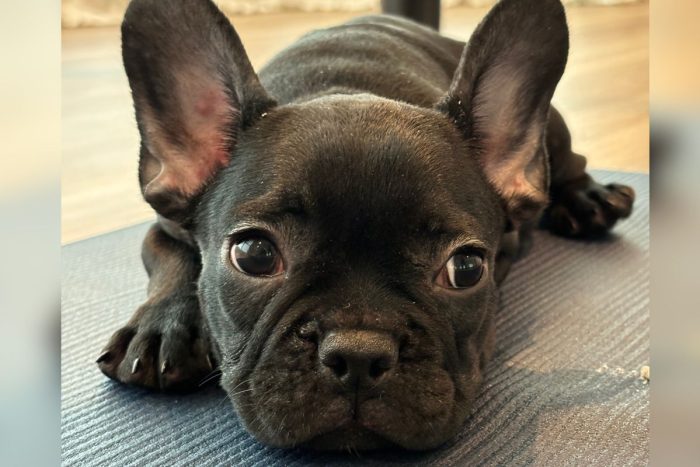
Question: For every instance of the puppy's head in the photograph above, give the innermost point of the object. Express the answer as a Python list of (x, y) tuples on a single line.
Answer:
[(348, 243)]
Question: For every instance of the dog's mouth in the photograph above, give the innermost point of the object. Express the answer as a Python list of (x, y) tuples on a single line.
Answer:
[(337, 422), (366, 425), (294, 399)]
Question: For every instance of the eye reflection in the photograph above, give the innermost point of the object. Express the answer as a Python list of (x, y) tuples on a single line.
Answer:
[(462, 270), (256, 256)]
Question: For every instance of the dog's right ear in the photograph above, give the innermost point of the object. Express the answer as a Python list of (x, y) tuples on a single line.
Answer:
[(194, 90)]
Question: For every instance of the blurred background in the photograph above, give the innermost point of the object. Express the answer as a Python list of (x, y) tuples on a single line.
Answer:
[(603, 95)]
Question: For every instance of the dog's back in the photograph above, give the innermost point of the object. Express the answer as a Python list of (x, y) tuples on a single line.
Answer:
[(383, 55)]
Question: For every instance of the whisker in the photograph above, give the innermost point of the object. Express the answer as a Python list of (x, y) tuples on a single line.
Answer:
[(245, 381), (221, 401), (214, 374), (241, 392)]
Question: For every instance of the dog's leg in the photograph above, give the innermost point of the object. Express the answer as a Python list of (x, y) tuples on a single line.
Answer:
[(579, 206), (165, 344)]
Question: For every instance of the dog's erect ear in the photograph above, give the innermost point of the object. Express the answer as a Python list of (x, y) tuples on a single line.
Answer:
[(500, 97), (194, 90)]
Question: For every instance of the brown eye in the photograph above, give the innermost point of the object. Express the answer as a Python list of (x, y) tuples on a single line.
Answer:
[(462, 270), (256, 256)]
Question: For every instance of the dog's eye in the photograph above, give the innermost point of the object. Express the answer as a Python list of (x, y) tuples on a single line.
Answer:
[(256, 256), (462, 270)]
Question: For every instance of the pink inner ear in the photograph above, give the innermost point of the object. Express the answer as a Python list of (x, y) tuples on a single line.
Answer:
[(207, 119), (208, 103), (497, 123), (508, 172)]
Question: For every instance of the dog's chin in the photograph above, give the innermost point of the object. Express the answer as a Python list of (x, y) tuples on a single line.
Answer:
[(336, 429), (347, 433), (317, 415), (350, 437)]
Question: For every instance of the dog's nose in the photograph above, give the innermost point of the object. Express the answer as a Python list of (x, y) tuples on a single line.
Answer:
[(358, 358)]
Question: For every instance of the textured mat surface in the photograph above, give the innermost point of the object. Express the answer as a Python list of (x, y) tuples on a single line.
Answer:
[(563, 388)]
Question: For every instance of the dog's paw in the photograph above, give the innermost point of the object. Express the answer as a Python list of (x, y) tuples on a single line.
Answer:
[(164, 347), (588, 209)]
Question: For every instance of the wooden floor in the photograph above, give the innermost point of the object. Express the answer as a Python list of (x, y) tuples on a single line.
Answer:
[(603, 96)]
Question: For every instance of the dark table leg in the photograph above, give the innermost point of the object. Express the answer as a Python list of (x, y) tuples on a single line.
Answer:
[(426, 12)]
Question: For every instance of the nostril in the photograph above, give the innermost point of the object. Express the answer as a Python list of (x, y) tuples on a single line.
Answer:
[(379, 367), (338, 364)]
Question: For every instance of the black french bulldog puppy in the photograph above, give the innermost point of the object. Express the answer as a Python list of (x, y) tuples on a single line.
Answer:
[(333, 230)]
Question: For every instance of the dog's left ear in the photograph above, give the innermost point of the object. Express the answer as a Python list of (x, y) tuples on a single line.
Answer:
[(500, 97)]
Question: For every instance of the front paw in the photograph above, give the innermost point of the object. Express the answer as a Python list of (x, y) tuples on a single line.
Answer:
[(586, 209), (163, 347)]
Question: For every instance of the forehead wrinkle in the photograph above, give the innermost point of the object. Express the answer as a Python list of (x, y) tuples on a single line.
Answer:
[(271, 205)]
